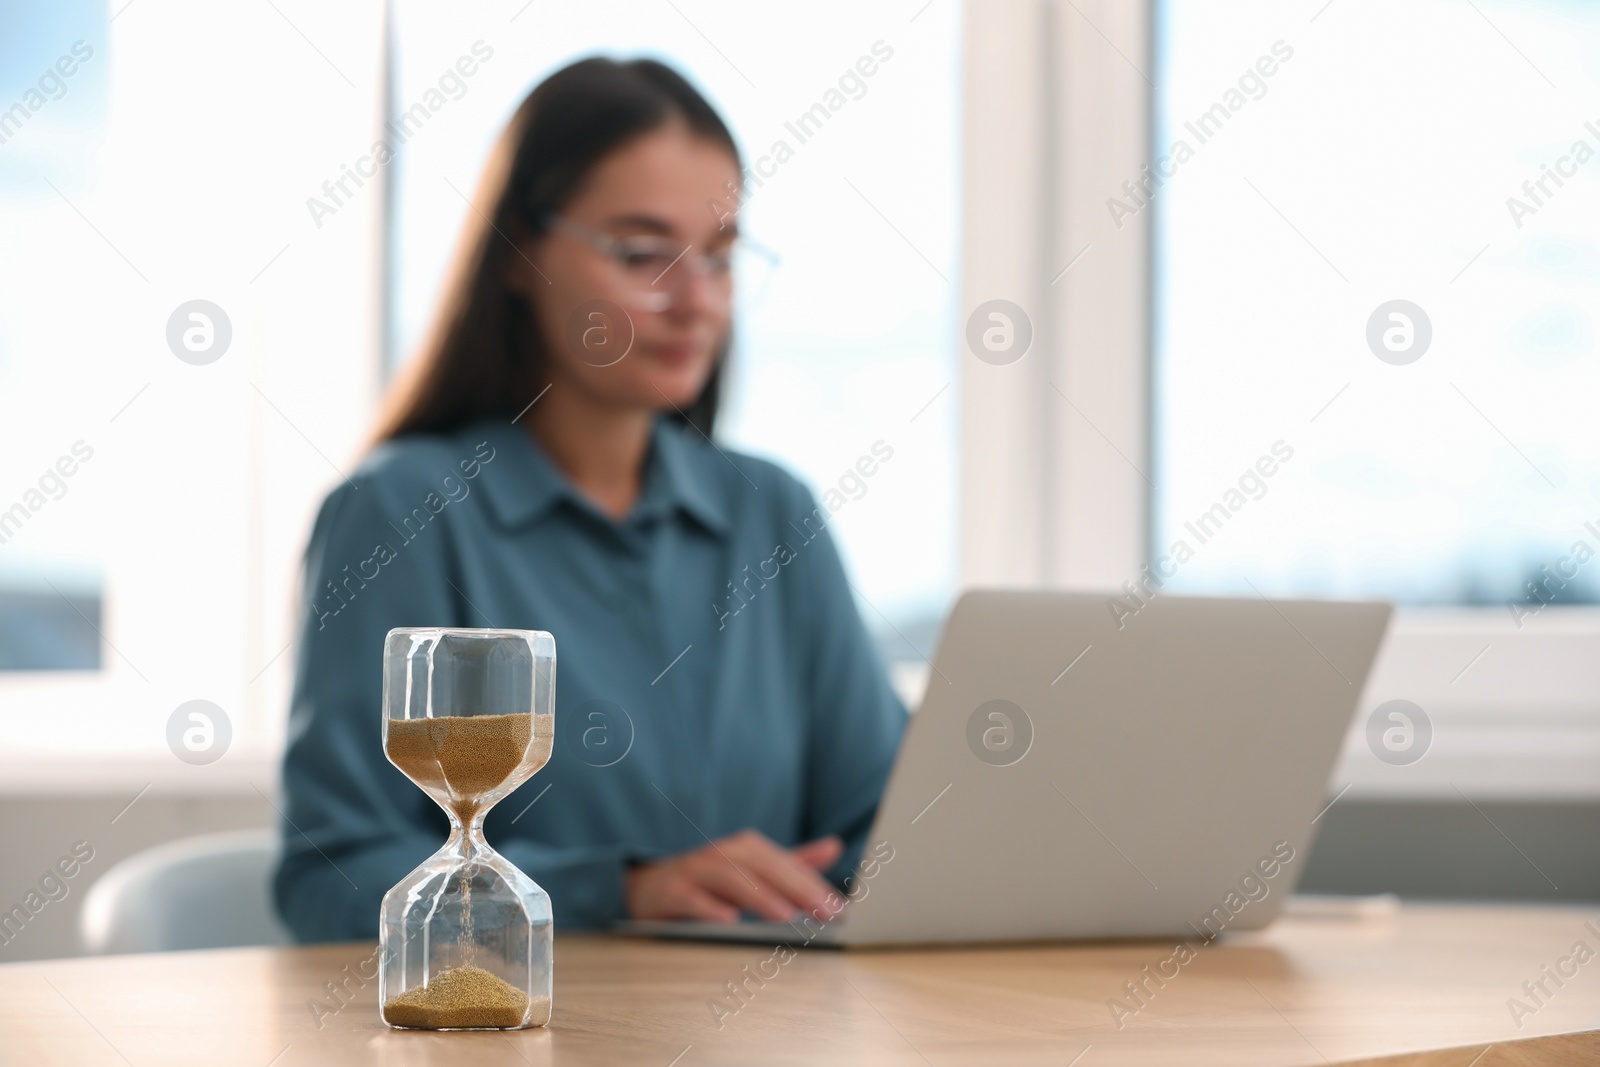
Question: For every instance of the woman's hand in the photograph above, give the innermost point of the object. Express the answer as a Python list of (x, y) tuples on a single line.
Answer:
[(745, 871)]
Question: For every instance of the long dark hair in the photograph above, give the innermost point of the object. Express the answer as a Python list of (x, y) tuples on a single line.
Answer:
[(484, 355)]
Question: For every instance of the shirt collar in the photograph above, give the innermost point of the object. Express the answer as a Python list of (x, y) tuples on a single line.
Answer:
[(523, 483)]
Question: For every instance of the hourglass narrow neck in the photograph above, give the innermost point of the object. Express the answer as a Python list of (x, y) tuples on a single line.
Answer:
[(466, 840)]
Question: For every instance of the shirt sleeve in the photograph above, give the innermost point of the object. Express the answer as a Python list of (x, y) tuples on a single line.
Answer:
[(352, 824), (856, 718)]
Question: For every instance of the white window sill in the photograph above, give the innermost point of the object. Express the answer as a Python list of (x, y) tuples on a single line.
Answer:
[(57, 772), (1515, 716)]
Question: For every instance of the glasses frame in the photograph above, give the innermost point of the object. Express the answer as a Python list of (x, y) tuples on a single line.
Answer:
[(619, 249)]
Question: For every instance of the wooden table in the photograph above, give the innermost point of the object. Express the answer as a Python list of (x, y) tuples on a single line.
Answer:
[(1338, 989)]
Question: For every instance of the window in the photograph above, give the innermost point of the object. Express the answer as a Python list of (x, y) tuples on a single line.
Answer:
[(186, 363), (53, 115), (1374, 308), (1373, 356), (1200, 311)]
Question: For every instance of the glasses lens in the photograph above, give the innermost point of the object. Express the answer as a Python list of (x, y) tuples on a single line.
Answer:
[(646, 260), (656, 272)]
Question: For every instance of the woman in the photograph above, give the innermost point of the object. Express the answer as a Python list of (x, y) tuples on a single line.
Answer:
[(724, 730)]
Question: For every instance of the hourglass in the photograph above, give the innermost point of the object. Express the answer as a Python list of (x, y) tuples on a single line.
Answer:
[(468, 715)]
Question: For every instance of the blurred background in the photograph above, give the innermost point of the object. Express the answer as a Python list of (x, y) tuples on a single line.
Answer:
[(1356, 238)]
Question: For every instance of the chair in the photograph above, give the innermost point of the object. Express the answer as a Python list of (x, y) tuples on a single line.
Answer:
[(208, 891)]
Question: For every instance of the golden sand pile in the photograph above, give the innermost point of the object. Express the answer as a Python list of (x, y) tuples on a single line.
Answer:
[(467, 755), (464, 997)]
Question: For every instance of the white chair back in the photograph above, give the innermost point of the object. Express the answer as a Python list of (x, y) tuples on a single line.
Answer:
[(208, 891)]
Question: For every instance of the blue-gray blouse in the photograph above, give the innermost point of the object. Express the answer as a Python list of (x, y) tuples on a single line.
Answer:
[(712, 671)]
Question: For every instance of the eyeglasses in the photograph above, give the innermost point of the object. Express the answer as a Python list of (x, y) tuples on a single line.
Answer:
[(646, 263)]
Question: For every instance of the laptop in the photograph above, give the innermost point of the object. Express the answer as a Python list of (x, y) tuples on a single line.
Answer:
[(1087, 767)]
